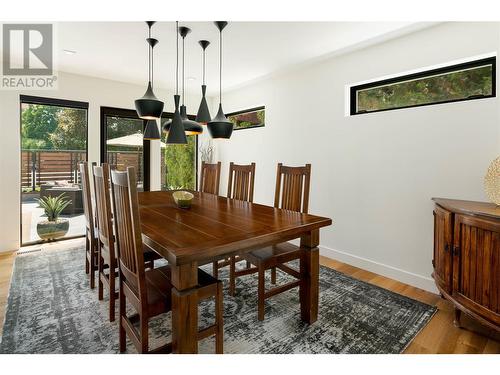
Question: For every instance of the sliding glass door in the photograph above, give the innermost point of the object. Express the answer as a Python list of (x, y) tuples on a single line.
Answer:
[(53, 143), (122, 144)]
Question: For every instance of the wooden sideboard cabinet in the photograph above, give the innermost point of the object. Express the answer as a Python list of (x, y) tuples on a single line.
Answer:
[(467, 258)]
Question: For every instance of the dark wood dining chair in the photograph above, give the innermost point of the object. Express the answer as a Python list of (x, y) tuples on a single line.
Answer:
[(107, 263), (240, 186), (149, 291), (91, 240), (292, 193), (210, 178)]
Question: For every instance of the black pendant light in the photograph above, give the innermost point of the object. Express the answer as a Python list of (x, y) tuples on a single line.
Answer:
[(203, 115), (151, 132), (149, 107), (175, 128), (190, 127), (220, 126)]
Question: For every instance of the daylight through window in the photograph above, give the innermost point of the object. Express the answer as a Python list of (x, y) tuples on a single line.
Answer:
[(468, 81)]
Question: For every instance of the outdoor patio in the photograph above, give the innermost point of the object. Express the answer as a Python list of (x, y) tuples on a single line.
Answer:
[(54, 172), (32, 215)]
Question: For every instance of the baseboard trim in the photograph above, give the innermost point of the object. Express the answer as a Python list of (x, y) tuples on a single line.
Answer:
[(410, 278)]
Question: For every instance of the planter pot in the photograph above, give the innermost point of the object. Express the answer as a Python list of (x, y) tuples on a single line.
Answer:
[(51, 230)]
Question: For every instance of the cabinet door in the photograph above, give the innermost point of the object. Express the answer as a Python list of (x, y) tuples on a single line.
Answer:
[(442, 248), (476, 266)]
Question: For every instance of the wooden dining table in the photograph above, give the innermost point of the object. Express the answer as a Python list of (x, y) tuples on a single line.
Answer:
[(215, 228)]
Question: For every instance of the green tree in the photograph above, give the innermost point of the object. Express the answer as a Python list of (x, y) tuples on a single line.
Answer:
[(37, 123), (122, 126), (180, 162), (71, 131)]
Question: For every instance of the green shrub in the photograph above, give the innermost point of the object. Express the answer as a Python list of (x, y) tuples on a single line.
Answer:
[(53, 206)]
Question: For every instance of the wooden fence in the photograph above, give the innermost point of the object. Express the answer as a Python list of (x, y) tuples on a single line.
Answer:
[(41, 166)]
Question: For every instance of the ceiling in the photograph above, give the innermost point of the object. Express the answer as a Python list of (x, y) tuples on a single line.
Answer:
[(252, 50)]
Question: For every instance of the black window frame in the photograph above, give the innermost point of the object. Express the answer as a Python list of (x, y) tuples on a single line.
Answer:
[(132, 114), (260, 108), (425, 74), (42, 100)]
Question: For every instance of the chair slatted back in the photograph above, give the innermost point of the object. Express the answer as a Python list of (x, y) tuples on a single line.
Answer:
[(103, 208), (292, 188), (241, 182), (92, 194), (210, 178), (87, 198), (128, 230)]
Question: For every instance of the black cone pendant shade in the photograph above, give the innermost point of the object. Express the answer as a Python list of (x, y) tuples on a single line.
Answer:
[(220, 126), (175, 128), (190, 127), (203, 115), (176, 134), (151, 132), (149, 107)]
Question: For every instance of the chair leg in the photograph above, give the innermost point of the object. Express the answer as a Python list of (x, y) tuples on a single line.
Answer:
[(88, 252), (261, 291), (100, 291), (215, 266), (273, 275), (248, 264), (112, 296), (232, 276), (144, 334), (92, 267), (122, 337), (219, 319)]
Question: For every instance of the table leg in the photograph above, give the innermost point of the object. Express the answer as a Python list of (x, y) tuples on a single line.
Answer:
[(309, 269), (185, 308)]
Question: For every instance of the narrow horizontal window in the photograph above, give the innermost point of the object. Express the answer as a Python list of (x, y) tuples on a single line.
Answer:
[(248, 118), (467, 81)]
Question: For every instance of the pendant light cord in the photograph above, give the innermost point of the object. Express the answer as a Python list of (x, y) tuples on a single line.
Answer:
[(149, 58), (183, 38), (220, 67), (152, 60), (203, 65), (177, 58)]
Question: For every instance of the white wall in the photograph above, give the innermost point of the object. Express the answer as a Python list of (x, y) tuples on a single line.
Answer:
[(97, 92), (373, 174)]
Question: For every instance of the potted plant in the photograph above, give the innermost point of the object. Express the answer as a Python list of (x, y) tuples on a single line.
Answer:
[(53, 227)]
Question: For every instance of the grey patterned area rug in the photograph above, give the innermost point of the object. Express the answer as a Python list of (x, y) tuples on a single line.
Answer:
[(51, 309)]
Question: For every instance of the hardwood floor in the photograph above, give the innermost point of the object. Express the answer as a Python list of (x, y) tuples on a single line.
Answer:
[(6, 263), (439, 336)]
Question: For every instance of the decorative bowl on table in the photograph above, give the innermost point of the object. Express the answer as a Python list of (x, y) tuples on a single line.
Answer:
[(183, 198)]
